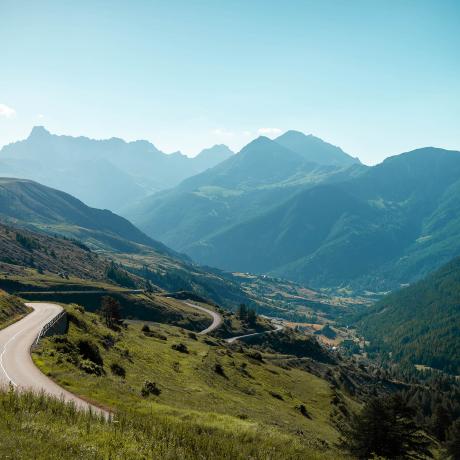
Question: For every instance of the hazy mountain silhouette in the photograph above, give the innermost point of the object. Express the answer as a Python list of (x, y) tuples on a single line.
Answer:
[(313, 149), (371, 227), (261, 175), (104, 173)]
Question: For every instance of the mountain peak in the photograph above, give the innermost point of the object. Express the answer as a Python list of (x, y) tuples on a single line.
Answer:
[(314, 149), (38, 131)]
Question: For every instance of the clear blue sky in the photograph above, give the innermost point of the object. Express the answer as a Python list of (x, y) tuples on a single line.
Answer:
[(374, 77)]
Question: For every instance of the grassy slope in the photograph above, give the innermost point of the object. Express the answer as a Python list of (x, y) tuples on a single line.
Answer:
[(11, 309), (34, 426), (241, 403)]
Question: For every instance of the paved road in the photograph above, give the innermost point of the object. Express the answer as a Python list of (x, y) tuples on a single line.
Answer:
[(16, 365), (216, 318), (278, 327)]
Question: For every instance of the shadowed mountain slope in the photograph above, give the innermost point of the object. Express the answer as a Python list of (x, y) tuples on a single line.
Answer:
[(420, 324)]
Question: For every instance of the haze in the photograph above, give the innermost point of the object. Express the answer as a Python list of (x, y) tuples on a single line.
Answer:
[(376, 78)]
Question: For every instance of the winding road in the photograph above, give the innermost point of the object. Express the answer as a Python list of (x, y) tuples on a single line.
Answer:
[(16, 365), (216, 318), (18, 369), (278, 327)]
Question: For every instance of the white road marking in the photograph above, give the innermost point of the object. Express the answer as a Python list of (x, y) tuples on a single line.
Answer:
[(1, 357)]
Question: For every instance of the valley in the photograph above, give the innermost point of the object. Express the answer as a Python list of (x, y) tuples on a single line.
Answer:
[(248, 352)]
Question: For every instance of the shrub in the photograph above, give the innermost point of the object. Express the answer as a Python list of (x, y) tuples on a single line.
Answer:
[(180, 347), (255, 355), (145, 328), (89, 350), (118, 370), (108, 341), (150, 388), (91, 368), (276, 395), (218, 369), (192, 336), (303, 410), (80, 308)]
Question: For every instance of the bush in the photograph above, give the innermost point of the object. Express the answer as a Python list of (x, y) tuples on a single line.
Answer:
[(150, 388), (108, 341), (180, 347), (276, 395), (145, 328), (91, 368), (118, 370), (303, 410), (218, 369), (89, 350), (255, 355)]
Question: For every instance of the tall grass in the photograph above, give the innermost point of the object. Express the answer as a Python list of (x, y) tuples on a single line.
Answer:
[(37, 426)]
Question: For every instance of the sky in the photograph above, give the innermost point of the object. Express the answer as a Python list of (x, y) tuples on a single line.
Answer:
[(375, 77)]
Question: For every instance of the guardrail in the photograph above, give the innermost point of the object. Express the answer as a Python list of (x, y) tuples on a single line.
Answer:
[(49, 325)]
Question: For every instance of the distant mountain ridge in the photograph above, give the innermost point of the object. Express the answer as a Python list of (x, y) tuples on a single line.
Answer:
[(103, 173), (314, 149), (261, 175), (35, 206), (322, 225)]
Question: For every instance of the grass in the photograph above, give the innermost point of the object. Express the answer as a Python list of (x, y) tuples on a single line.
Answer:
[(12, 309), (232, 405), (39, 427)]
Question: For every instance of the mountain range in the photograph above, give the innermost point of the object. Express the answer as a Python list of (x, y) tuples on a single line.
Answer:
[(273, 210), (79, 233), (106, 174)]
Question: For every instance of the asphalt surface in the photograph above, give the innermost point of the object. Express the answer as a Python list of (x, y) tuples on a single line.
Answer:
[(16, 365), (278, 327), (216, 318)]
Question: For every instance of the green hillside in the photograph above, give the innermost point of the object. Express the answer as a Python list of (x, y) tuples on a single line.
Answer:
[(369, 229), (420, 325), (197, 380), (63, 433), (27, 203), (11, 309)]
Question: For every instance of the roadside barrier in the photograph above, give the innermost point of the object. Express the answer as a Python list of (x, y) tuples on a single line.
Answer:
[(58, 325)]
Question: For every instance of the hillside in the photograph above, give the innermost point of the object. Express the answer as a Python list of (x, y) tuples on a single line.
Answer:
[(203, 381), (32, 205), (375, 230), (61, 433), (420, 324), (262, 175), (103, 173), (11, 309), (22, 251), (91, 240)]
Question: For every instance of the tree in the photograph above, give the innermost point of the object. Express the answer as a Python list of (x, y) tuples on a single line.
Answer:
[(242, 312), (385, 427), (453, 441), (111, 311), (252, 317), (441, 421)]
